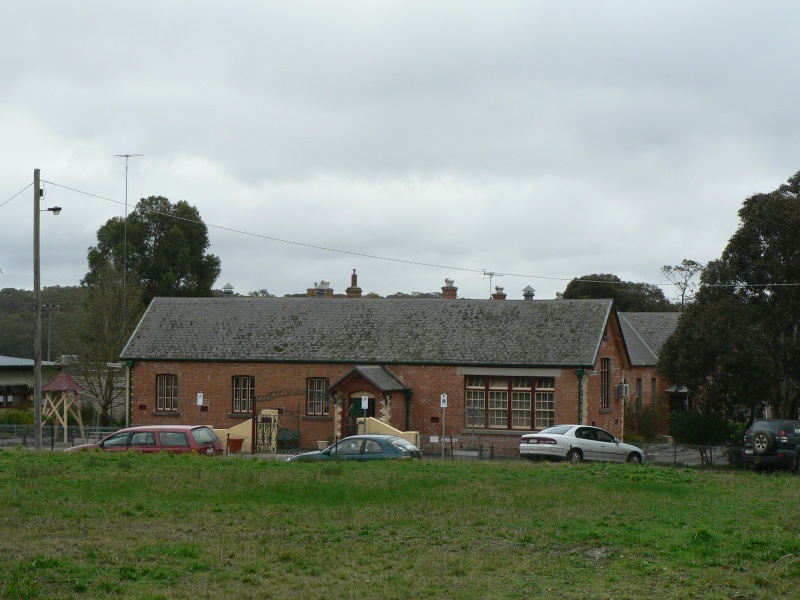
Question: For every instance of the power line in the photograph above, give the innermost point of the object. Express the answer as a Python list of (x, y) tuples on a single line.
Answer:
[(15, 195), (483, 272)]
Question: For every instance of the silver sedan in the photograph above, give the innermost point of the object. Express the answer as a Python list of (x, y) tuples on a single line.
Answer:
[(576, 443)]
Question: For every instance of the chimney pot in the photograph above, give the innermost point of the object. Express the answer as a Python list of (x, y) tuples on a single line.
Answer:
[(449, 291)]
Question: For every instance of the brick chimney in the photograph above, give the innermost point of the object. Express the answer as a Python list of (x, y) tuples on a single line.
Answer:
[(498, 293), (353, 291), (321, 290), (449, 291)]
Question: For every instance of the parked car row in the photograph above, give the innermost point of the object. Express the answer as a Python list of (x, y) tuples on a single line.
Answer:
[(767, 443)]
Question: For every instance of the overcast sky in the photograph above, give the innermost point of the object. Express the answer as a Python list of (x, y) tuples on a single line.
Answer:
[(412, 141)]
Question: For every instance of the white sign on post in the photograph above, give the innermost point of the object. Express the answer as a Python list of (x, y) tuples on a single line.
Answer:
[(199, 398), (443, 401), (365, 408)]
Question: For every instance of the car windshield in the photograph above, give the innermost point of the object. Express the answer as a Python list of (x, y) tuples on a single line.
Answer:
[(558, 429), (204, 435)]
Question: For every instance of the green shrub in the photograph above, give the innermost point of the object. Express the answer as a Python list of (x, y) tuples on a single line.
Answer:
[(15, 416), (695, 429), (642, 424)]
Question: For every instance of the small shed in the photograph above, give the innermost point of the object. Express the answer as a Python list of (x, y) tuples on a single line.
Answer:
[(62, 399)]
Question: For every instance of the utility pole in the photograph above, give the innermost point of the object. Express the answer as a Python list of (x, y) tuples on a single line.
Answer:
[(50, 308), (37, 319)]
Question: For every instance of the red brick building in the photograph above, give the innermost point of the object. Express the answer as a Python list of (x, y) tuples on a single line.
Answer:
[(507, 366), (645, 334)]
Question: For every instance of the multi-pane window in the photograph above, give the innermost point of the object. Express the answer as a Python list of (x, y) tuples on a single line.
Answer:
[(638, 395), (475, 401), (521, 402), (545, 402), (509, 402), (317, 396), (605, 382), (498, 402), (244, 387), (167, 392)]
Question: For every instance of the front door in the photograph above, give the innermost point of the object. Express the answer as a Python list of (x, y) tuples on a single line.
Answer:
[(355, 412)]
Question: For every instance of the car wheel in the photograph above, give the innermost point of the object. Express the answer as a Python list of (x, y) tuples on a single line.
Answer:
[(574, 456), (763, 442), (634, 458)]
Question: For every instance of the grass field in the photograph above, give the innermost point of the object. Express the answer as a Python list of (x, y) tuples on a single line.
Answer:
[(93, 525)]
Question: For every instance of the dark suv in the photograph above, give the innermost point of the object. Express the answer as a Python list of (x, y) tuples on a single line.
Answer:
[(772, 442)]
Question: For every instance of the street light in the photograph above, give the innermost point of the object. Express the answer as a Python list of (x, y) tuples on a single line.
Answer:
[(37, 322)]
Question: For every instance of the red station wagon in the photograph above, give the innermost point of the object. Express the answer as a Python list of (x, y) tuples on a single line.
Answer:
[(160, 438)]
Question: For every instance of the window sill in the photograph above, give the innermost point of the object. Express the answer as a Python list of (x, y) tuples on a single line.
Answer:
[(316, 418), (242, 415), (605, 411), (165, 413)]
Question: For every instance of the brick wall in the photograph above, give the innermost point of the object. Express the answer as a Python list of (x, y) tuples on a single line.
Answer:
[(215, 381)]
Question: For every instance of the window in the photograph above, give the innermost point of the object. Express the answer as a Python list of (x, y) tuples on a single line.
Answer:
[(118, 439), (521, 402), (244, 388), (638, 396), (545, 402), (605, 383), (143, 438), (498, 402), (476, 402), (173, 438), (509, 402), (167, 386), (653, 389), (317, 394), (372, 447)]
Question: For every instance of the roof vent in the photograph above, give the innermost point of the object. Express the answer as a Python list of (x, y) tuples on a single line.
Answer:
[(227, 291), (528, 293), (559, 295)]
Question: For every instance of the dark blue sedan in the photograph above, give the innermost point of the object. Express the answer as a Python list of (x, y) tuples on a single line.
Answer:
[(363, 447)]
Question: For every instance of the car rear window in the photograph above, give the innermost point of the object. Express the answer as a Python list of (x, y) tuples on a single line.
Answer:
[(773, 426), (558, 429), (204, 435)]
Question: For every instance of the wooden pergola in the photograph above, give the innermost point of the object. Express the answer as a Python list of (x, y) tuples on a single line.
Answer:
[(62, 399)]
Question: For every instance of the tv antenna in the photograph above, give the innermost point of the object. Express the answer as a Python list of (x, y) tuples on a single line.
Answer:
[(490, 275), (125, 245)]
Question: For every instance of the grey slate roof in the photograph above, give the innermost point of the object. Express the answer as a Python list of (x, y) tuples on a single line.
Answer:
[(378, 376), (399, 331), (645, 334)]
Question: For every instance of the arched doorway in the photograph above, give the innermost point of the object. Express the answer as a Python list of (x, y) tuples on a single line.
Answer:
[(354, 410)]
